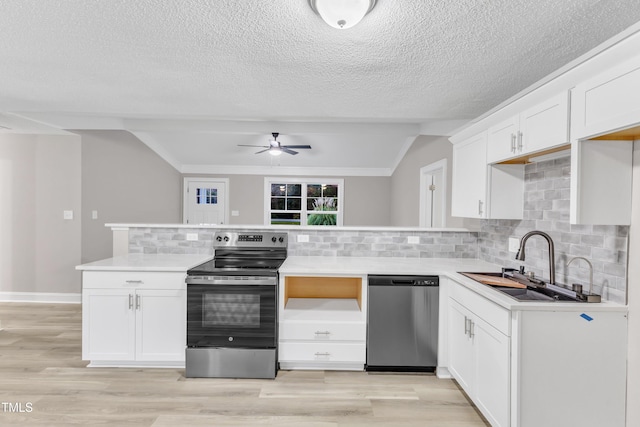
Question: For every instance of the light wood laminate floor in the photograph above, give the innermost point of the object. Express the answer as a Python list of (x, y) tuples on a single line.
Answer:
[(40, 365)]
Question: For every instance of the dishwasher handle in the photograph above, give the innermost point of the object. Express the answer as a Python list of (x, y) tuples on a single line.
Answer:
[(401, 280)]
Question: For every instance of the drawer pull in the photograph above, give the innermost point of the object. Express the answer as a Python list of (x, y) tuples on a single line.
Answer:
[(318, 354), (134, 282), (323, 333)]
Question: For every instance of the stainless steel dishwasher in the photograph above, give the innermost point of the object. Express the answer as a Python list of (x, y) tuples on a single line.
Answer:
[(402, 330)]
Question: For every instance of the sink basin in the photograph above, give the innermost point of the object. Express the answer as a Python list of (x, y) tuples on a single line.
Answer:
[(534, 291)]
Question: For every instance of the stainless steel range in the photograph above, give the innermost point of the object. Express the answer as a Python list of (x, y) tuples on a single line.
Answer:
[(232, 307)]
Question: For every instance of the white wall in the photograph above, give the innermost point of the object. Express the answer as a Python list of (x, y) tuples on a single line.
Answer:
[(125, 182), (39, 179), (633, 293), (405, 182)]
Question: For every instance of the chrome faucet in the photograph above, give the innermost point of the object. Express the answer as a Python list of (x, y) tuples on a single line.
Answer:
[(590, 271), (552, 263)]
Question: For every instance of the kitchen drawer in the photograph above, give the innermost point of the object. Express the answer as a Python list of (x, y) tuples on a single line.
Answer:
[(323, 331), (493, 314), (133, 279), (322, 351)]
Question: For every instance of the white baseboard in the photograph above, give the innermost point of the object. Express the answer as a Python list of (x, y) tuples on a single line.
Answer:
[(66, 298)]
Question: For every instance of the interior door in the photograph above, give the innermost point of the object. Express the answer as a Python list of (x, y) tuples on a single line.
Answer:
[(205, 201)]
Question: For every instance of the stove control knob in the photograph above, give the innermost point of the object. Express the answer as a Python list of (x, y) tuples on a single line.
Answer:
[(226, 238), (273, 239), (281, 239), (219, 239)]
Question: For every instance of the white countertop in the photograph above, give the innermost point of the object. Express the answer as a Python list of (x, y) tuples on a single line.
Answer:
[(448, 267), (146, 262)]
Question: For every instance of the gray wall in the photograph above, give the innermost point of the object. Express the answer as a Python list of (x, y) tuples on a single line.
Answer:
[(365, 199), (39, 179), (126, 182), (405, 181), (547, 209)]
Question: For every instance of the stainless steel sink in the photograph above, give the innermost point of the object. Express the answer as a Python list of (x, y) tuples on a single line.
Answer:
[(536, 290)]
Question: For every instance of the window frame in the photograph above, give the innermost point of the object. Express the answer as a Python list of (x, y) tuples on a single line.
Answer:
[(304, 181)]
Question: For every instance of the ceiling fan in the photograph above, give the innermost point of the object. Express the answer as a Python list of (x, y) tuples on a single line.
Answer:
[(275, 149)]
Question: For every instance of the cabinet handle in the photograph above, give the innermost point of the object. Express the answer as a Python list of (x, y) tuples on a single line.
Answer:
[(513, 142), (134, 282), (466, 325), (520, 141), (130, 301), (323, 354), (472, 327), (480, 203), (323, 333), (137, 302)]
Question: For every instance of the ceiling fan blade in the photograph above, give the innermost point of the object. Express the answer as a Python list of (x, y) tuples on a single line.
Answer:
[(261, 146), (286, 150), (262, 151), (299, 147)]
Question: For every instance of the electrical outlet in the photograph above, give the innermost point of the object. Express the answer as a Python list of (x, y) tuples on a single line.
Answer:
[(94, 214), (413, 240), (235, 213), (514, 244), (192, 236), (303, 238)]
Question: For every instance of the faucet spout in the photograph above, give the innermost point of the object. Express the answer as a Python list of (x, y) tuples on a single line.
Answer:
[(590, 271), (520, 256)]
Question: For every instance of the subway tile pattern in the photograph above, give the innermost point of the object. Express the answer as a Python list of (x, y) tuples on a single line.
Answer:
[(332, 242), (329, 242), (546, 208)]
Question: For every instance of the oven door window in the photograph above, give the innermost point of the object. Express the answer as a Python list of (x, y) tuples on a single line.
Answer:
[(231, 310), (231, 316)]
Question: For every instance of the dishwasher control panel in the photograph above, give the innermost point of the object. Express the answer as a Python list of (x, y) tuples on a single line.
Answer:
[(403, 280)]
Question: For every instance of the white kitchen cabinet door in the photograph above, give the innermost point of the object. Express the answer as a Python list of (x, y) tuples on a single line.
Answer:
[(544, 126), (601, 178), (492, 364), (461, 359), (469, 184), (160, 325), (108, 324), (607, 102), (502, 140)]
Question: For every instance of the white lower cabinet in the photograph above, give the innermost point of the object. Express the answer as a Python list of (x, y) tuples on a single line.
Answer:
[(126, 322), (551, 365), (479, 359)]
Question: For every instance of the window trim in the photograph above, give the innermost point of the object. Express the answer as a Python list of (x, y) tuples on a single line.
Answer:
[(304, 181)]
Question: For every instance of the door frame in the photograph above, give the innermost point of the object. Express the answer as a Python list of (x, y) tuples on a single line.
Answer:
[(185, 187), (425, 173)]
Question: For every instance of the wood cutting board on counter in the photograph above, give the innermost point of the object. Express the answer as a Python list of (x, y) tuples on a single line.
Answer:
[(495, 281)]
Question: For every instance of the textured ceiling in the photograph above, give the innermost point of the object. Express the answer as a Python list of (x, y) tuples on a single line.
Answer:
[(183, 73)]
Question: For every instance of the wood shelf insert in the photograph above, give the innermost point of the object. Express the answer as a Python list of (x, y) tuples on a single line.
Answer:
[(323, 287)]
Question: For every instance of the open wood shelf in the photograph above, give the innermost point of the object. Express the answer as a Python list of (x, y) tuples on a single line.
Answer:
[(303, 287)]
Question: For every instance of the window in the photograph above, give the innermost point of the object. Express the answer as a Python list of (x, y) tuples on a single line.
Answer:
[(206, 196), (303, 201)]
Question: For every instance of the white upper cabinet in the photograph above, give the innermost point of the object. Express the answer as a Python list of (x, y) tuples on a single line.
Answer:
[(484, 191), (539, 128), (469, 183), (608, 102)]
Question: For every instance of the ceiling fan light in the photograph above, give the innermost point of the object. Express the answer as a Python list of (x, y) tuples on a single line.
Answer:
[(342, 14), (275, 151)]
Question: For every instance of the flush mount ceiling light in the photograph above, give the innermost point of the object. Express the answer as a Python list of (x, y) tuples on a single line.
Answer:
[(342, 14)]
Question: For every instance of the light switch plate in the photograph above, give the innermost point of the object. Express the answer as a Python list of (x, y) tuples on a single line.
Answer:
[(94, 214), (235, 213), (192, 236), (303, 238), (514, 244), (413, 240), (67, 214)]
